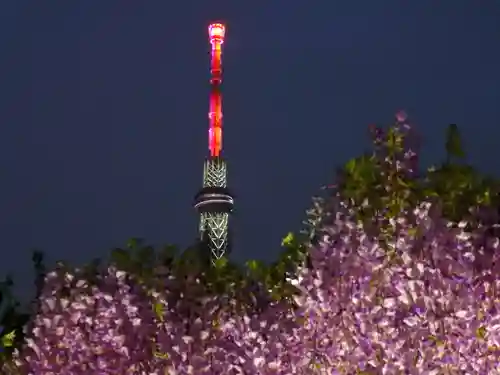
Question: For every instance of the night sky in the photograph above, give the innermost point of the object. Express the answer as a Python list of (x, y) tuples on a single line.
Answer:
[(103, 111)]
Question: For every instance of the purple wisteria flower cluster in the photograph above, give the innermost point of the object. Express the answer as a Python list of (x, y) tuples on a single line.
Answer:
[(82, 328), (424, 311)]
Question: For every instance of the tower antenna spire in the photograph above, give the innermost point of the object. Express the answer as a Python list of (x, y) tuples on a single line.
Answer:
[(214, 202), (216, 34)]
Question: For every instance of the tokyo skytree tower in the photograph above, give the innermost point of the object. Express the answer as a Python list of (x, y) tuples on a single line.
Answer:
[(214, 201)]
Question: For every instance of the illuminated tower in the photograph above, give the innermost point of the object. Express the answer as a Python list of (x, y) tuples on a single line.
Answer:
[(214, 202)]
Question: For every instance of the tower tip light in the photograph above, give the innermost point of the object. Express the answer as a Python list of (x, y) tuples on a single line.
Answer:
[(216, 32)]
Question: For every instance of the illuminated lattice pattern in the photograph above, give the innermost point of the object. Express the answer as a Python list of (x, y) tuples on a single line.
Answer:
[(214, 173), (213, 224), (214, 230)]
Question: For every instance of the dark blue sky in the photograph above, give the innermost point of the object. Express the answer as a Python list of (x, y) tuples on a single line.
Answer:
[(103, 110)]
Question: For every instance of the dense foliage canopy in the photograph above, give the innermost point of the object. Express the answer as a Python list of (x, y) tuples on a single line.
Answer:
[(396, 272)]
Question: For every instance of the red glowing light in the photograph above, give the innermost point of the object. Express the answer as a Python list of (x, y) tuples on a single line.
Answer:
[(215, 118), (216, 33)]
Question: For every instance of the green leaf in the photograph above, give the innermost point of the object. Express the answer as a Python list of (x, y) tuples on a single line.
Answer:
[(481, 332), (351, 166), (412, 232), (485, 198), (253, 265), (158, 309), (391, 139), (454, 142), (288, 240), (134, 243), (8, 339), (221, 263), (160, 355)]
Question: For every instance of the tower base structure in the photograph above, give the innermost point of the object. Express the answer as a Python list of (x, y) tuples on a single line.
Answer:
[(214, 203)]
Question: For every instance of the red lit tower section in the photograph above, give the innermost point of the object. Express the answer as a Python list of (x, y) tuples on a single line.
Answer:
[(214, 202), (216, 33)]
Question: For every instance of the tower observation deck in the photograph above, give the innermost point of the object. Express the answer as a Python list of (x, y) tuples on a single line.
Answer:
[(214, 201)]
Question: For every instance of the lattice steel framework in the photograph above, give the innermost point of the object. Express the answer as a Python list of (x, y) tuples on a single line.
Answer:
[(214, 202)]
